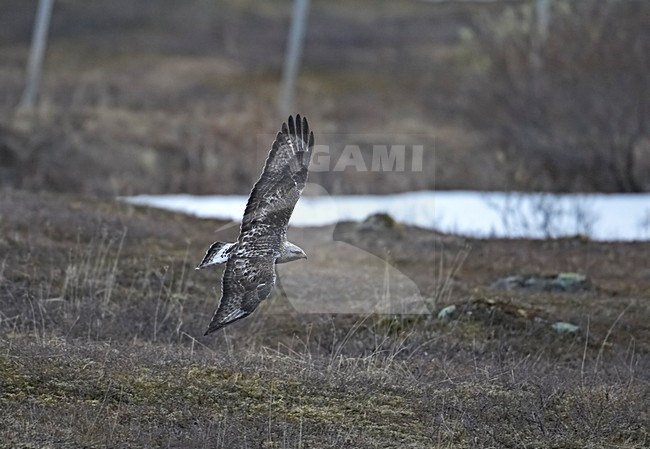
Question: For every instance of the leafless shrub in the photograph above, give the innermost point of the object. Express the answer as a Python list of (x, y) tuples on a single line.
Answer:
[(570, 112), (544, 215)]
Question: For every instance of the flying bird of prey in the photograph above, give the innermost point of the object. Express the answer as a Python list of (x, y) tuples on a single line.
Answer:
[(249, 275)]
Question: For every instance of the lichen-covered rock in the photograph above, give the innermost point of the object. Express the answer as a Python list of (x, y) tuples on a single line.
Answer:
[(446, 312), (564, 282)]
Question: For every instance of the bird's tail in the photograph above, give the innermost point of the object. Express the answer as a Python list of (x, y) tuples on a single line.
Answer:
[(216, 254)]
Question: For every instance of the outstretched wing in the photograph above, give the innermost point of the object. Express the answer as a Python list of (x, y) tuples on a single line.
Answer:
[(247, 281), (249, 276), (276, 193)]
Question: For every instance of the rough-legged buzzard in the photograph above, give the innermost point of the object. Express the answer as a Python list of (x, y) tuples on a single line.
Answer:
[(250, 262)]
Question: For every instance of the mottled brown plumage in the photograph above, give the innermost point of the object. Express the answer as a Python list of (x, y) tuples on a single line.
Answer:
[(249, 275)]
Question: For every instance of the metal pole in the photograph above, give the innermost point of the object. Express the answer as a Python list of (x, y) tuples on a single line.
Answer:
[(36, 53), (292, 56), (542, 12)]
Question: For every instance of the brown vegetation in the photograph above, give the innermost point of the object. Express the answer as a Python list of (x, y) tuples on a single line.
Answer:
[(164, 97), (573, 105), (102, 315)]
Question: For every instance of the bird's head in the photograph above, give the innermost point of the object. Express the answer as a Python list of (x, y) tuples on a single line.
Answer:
[(291, 252), (301, 254)]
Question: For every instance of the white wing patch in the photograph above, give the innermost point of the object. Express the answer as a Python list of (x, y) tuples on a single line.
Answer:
[(216, 254), (234, 315)]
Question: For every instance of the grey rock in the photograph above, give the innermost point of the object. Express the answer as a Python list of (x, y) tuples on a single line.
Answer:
[(565, 328), (446, 312)]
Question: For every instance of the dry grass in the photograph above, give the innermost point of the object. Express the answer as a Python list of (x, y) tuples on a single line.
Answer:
[(161, 96), (147, 102), (102, 315)]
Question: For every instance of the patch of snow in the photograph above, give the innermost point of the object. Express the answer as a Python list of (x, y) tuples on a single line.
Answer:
[(476, 214)]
